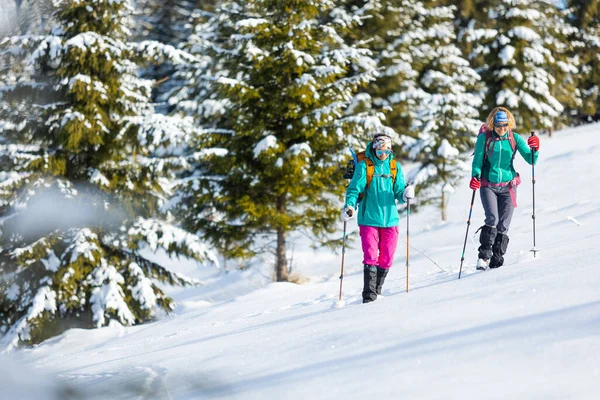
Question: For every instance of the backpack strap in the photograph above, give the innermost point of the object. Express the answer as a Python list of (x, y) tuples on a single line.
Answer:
[(488, 142), (370, 170), (513, 144), (488, 139), (486, 148), (393, 170), (370, 166)]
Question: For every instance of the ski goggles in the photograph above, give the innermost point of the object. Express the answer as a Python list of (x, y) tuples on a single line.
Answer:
[(380, 152)]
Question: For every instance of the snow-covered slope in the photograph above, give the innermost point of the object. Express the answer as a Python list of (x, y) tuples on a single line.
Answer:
[(529, 330)]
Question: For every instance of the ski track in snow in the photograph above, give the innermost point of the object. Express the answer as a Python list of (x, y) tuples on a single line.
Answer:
[(529, 330)]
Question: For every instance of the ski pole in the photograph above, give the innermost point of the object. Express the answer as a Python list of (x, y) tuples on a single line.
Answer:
[(407, 239), (343, 253), (533, 192), (467, 233)]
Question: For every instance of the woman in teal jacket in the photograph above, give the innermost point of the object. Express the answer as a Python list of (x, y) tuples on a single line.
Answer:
[(377, 214), (494, 172)]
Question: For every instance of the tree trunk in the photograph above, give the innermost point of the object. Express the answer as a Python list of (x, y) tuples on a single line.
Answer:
[(281, 268), (443, 205)]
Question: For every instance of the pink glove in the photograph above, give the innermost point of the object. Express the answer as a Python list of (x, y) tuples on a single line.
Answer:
[(474, 184), (534, 142)]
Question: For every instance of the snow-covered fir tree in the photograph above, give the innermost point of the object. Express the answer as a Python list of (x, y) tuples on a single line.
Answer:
[(169, 22), (23, 16), (560, 37), (475, 29), (585, 16), (285, 78), (446, 117), (382, 29), (519, 62), (86, 174), (164, 20), (194, 92)]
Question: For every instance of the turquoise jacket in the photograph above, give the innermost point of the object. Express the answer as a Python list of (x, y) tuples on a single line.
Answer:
[(378, 206), (500, 157)]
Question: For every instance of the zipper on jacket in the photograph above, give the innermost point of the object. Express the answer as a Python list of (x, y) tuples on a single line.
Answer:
[(500, 159)]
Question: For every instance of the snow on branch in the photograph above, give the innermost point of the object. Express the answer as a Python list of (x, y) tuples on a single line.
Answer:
[(82, 243), (157, 234), (108, 297), (251, 23), (162, 131), (43, 300), (160, 52), (143, 290), (266, 143)]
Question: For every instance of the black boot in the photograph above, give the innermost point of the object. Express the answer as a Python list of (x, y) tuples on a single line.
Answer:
[(369, 293), (499, 249), (381, 274), (486, 238)]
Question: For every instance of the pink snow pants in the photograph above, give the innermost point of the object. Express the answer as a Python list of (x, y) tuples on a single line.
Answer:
[(379, 245)]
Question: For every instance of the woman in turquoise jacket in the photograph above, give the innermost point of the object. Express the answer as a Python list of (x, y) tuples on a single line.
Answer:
[(494, 173), (377, 213)]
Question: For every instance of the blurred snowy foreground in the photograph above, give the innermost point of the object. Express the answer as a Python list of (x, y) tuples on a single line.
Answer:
[(529, 330)]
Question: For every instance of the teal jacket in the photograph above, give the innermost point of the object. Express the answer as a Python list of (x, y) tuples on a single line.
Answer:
[(500, 158), (378, 206)]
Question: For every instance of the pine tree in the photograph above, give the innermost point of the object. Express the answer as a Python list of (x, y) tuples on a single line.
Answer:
[(519, 63), (86, 174), (560, 37), (586, 12), (586, 18), (169, 22), (446, 117), (193, 92), (285, 79), (475, 29), (383, 29), (19, 16)]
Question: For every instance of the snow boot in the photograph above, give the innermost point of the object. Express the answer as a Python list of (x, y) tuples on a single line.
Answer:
[(381, 274), (482, 264), (499, 249), (486, 238), (369, 293)]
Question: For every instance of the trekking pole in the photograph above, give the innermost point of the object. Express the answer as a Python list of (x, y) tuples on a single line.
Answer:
[(407, 239), (533, 192), (467, 233), (343, 253)]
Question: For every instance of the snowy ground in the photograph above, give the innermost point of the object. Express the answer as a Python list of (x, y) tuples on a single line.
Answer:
[(529, 330)]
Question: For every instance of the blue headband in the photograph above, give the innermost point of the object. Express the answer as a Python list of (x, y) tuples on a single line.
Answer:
[(501, 118)]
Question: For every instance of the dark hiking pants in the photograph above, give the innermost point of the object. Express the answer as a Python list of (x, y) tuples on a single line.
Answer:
[(498, 206)]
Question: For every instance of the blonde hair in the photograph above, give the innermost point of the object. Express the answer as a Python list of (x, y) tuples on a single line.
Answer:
[(489, 123)]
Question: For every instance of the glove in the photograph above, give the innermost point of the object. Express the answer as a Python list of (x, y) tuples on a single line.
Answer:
[(534, 142), (474, 184), (409, 193), (347, 213)]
